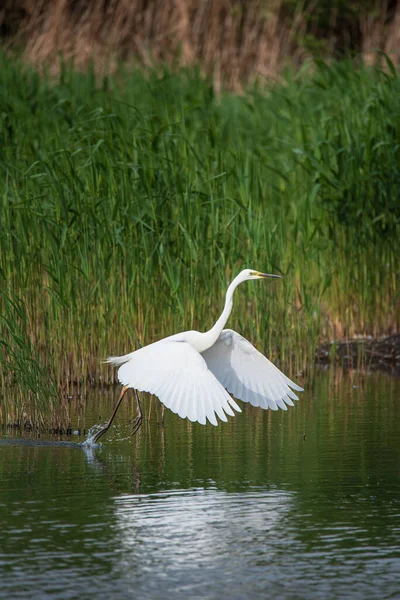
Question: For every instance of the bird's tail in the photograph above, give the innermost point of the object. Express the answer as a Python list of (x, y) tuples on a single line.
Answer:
[(117, 360)]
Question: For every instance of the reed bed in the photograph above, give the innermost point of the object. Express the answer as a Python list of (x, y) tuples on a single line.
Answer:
[(234, 41), (128, 202)]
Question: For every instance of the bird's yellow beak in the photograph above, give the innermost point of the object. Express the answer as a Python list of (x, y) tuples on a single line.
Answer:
[(264, 275)]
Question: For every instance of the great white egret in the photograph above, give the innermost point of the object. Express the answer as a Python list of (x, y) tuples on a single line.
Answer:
[(190, 372)]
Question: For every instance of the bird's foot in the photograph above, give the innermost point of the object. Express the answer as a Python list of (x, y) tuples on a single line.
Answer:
[(136, 423), (99, 434)]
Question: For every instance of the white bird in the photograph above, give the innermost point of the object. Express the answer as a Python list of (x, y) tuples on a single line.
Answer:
[(190, 372)]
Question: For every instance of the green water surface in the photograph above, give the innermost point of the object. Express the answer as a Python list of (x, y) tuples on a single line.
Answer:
[(297, 504)]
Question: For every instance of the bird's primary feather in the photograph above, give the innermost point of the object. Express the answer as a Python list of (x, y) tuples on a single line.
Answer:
[(248, 374), (178, 374), (194, 384)]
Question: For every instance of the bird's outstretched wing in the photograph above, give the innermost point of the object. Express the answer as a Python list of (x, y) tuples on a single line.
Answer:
[(247, 374), (176, 373)]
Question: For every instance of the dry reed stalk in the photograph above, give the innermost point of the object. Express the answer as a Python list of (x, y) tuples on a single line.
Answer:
[(380, 29), (230, 39)]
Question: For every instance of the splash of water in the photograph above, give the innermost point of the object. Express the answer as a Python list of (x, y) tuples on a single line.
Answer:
[(115, 434), (89, 442)]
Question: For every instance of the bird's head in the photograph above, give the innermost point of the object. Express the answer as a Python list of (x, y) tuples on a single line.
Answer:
[(247, 274)]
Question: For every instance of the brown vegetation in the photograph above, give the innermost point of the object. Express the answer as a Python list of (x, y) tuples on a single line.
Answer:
[(233, 40)]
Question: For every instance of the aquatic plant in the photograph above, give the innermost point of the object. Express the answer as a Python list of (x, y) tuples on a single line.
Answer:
[(122, 196), (35, 397)]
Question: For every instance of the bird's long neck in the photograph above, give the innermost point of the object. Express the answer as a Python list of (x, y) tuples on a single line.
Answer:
[(212, 335)]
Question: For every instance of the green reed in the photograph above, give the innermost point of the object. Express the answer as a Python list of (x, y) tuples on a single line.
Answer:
[(128, 203)]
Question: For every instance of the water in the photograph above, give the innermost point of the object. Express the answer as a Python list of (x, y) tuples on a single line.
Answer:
[(302, 504)]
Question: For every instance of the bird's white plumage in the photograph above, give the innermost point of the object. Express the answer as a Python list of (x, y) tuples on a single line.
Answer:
[(191, 371), (247, 374), (176, 373)]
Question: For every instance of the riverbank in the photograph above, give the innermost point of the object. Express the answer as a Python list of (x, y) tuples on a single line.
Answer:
[(366, 354)]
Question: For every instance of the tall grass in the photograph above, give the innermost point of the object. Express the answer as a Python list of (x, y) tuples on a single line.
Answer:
[(33, 379), (128, 203)]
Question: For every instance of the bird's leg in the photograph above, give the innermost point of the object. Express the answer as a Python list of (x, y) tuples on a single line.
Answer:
[(136, 423), (162, 414), (107, 425)]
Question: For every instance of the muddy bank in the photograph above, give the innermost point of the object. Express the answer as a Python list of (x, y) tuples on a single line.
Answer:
[(374, 354)]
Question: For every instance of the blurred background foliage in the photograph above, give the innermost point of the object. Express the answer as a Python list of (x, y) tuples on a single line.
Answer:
[(233, 40)]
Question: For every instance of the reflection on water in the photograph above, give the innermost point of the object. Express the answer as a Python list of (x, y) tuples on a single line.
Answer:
[(198, 540), (303, 504)]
